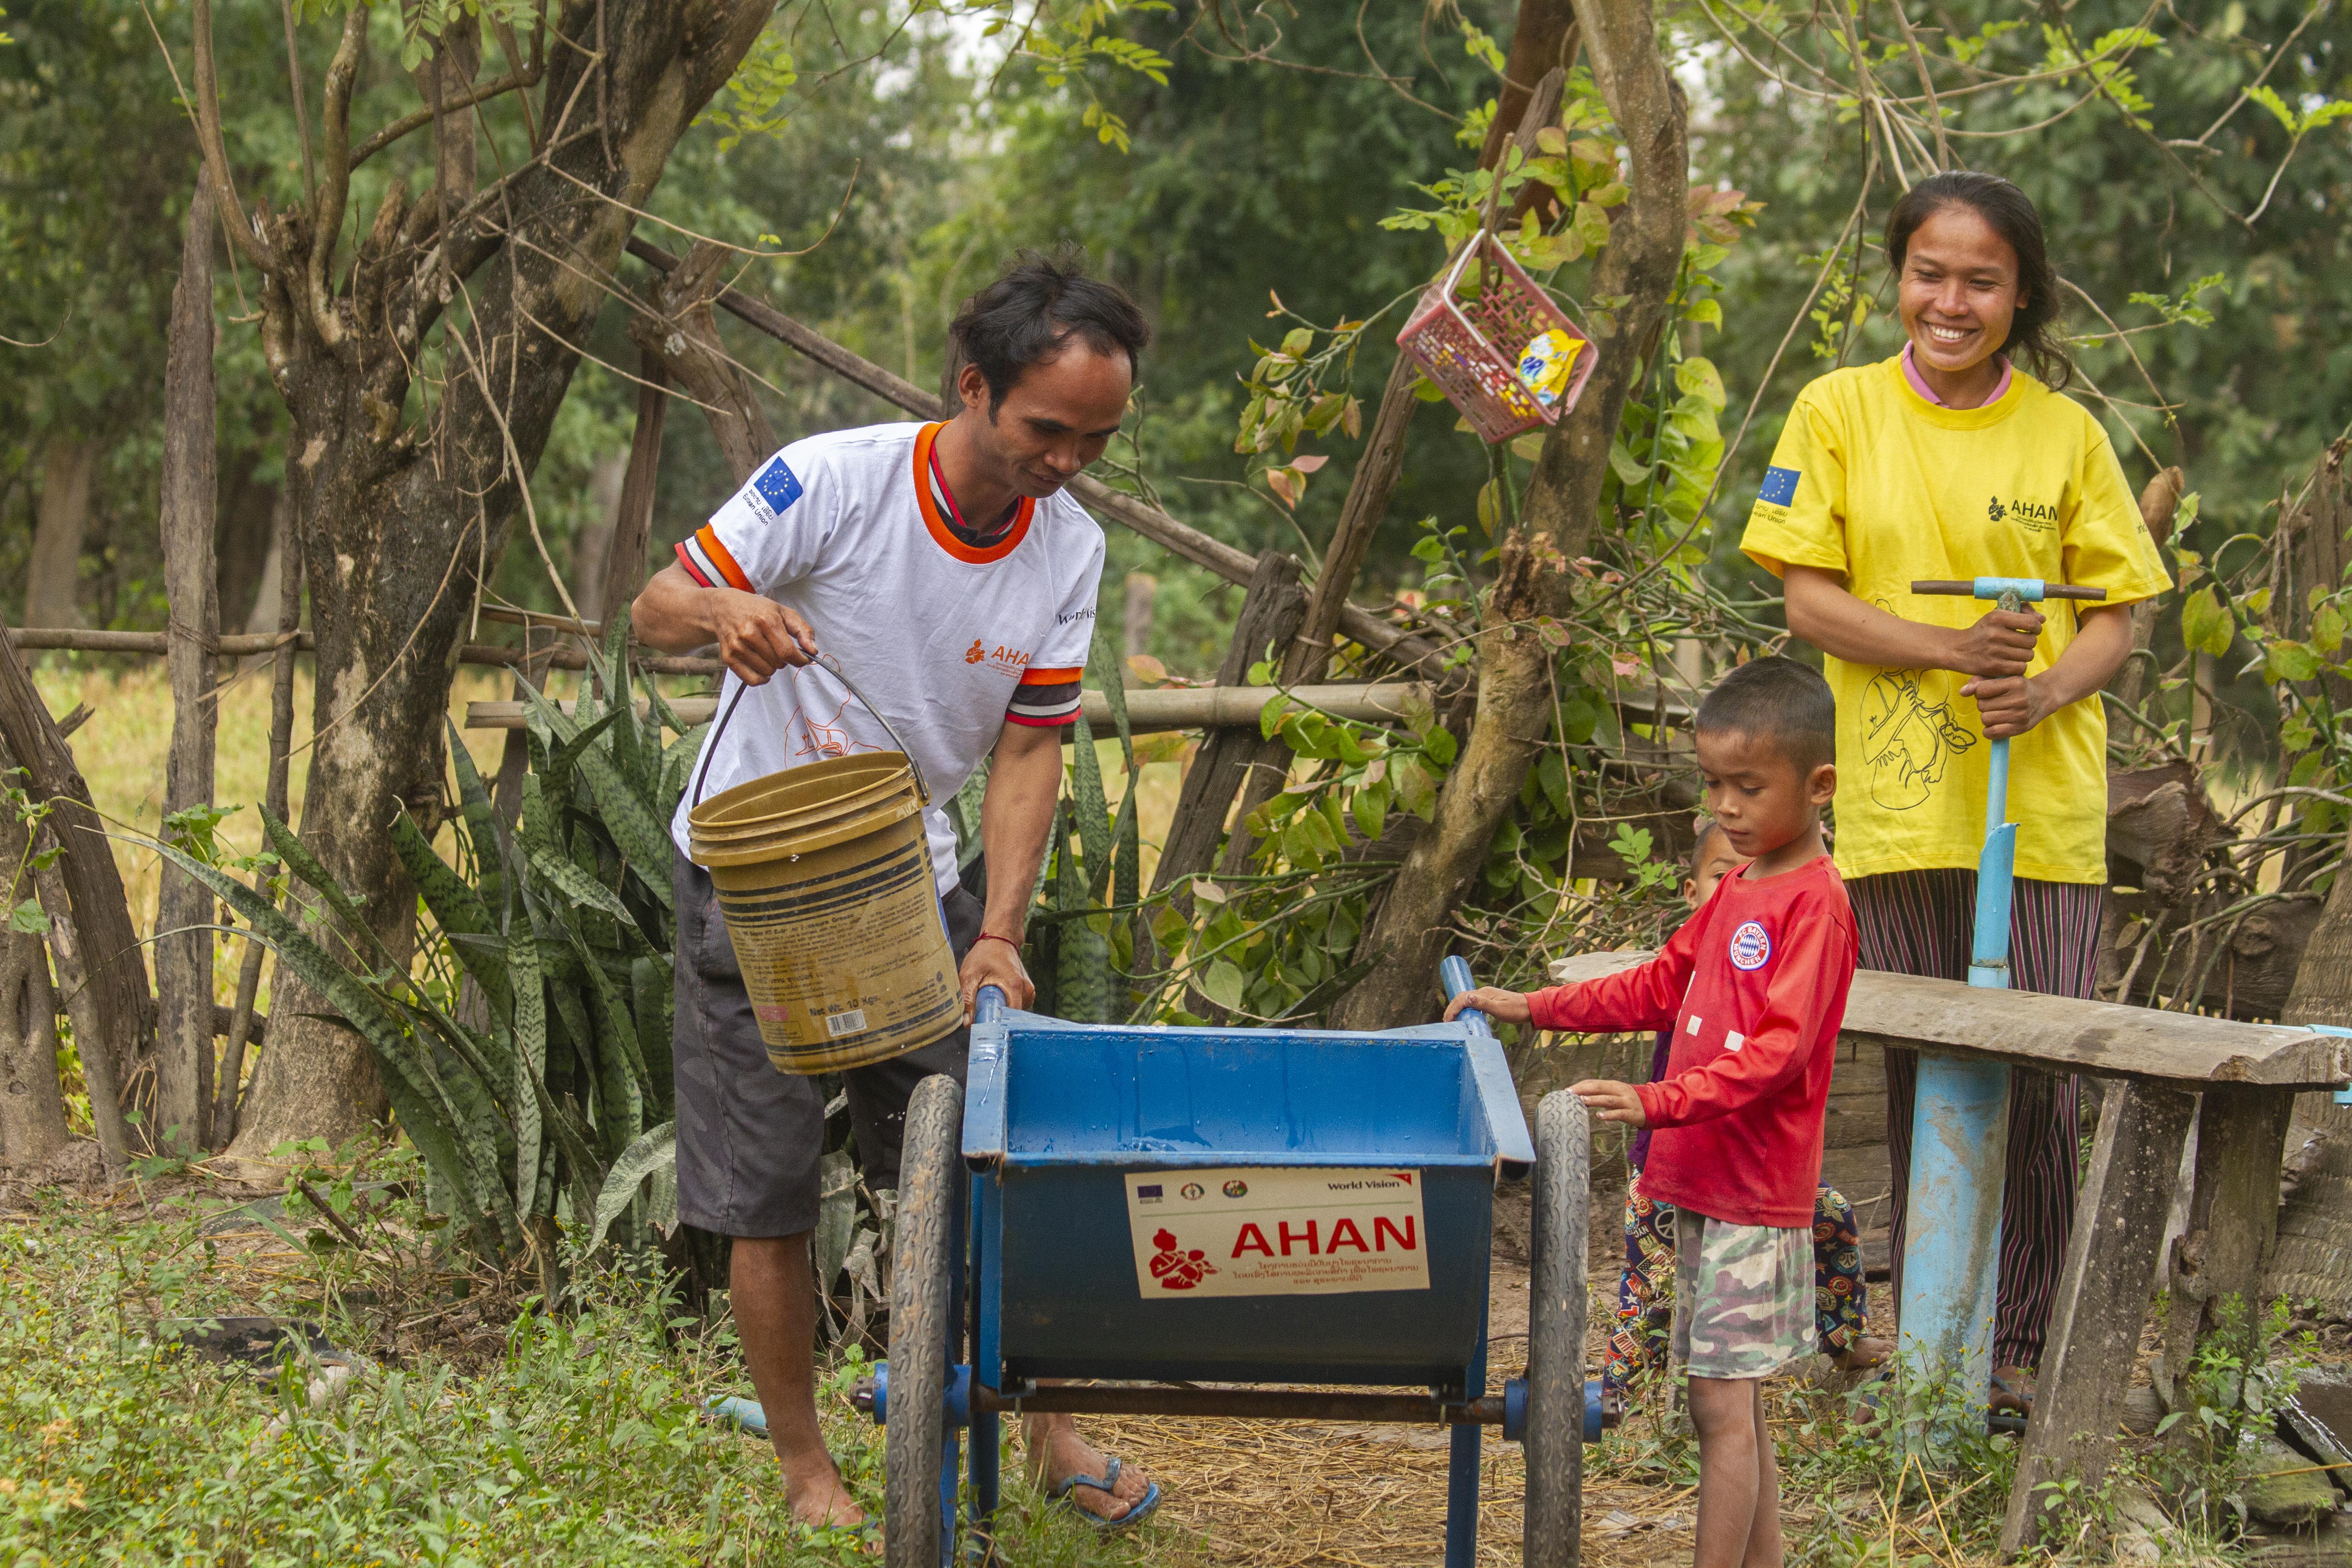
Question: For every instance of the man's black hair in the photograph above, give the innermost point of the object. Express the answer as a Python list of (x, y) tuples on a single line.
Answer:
[(1779, 699), (1033, 309)]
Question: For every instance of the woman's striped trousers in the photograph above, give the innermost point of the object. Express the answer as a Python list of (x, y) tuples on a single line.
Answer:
[(1924, 922)]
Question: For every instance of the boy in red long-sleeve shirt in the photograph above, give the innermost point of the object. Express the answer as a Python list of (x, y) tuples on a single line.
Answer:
[(1754, 987)]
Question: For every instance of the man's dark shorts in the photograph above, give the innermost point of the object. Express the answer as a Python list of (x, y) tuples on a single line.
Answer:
[(749, 1136)]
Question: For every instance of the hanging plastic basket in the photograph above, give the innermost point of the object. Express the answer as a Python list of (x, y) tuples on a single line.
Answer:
[(1471, 347)]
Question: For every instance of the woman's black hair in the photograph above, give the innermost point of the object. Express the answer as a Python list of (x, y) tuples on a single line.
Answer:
[(1028, 313), (2033, 330)]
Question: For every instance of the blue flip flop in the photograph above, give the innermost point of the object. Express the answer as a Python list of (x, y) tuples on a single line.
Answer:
[(1108, 1484), (744, 1415)]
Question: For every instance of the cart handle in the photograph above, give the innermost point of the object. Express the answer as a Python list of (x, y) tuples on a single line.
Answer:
[(1455, 974), (989, 1005), (2026, 588)]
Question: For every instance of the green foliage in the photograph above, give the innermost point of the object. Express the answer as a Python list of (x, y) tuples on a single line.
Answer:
[(534, 1101), (754, 103), (572, 1436)]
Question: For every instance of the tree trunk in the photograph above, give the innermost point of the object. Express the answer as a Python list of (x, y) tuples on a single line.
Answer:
[(2157, 503), (1136, 613), (682, 332), (86, 886), (268, 583), (632, 522), (245, 547), (593, 544), (1543, 37), (32, 1109), (52, 588), (183, 905), (396, 521), (1514, 708)]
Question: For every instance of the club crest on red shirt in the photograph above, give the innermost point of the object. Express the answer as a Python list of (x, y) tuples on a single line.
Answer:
[(1750, 946)]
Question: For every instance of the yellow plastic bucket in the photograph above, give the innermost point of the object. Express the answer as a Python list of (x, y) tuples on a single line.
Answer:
[(823, 876)]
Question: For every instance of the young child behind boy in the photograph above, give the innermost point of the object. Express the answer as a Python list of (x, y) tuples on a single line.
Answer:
[(1754, 986), (1645, 1285)]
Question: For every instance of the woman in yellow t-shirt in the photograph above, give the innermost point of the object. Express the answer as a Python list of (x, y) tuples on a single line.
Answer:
[(1949, 460)]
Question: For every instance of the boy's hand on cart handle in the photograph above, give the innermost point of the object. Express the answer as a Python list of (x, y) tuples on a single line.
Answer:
[(1611, 1101), (756, 636), (995, 963), (1503, 1006), (2001, 643)]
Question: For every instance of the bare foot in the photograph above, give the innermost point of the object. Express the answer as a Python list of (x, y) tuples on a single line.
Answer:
[(817, 1497), (1862, 1354), (1057, 1452)]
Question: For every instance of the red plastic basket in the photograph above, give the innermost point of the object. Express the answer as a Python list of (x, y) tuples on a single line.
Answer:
[(1471, 348)]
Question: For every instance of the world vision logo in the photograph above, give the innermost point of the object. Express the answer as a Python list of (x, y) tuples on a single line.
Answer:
[(2033, 516), (1011, 661)]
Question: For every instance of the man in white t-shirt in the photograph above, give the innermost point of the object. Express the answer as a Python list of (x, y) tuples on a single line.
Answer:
[(944, 570)]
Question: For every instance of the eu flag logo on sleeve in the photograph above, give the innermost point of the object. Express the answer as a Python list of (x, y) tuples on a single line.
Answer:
[(1779, 487), (774, 488)]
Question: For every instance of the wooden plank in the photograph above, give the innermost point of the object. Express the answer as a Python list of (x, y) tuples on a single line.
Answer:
[(2103, 1295), (1185, 707), (239, 644), (1270, 617), (2107, 1039)]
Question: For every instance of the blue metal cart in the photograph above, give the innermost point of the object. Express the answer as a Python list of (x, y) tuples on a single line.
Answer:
[(1197, 1214)]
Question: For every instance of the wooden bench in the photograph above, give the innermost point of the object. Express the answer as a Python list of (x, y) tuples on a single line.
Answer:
[(2164, 1072)]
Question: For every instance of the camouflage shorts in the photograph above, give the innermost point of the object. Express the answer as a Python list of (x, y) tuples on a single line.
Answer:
[(1743, 1297)]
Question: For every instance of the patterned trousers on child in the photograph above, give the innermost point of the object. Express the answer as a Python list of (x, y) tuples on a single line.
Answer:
[(1646, 1289)]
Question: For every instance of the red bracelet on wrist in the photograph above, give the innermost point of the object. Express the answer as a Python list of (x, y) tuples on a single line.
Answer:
[(991, 936)]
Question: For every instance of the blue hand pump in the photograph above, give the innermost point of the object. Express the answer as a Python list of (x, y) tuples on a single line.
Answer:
[(1959, 1127)]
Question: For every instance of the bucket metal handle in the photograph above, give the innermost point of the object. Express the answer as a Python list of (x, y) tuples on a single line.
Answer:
[(923, 791)]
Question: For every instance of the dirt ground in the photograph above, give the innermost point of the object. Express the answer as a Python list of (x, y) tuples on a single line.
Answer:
[(1271, 1494)]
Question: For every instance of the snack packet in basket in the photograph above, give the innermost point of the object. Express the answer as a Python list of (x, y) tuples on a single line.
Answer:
[(1546, 362)]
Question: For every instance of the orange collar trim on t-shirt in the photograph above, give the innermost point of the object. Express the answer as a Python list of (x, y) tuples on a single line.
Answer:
[(979, 556)]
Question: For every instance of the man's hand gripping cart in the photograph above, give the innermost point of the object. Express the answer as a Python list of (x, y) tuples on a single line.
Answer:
[(1959, 1128), (1227, 1221)]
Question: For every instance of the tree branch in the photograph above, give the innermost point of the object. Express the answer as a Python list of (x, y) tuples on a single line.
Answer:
[(417, 119), (335, 189), (204, 104)]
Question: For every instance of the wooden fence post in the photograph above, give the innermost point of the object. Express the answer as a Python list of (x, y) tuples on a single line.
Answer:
[(1269, 617), (183, 905), (2234, 1214), (227, 1096), (2103, 1295)]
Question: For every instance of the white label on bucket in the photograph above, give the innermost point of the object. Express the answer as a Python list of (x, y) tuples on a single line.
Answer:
[(848, 1023), (1260, 1231)]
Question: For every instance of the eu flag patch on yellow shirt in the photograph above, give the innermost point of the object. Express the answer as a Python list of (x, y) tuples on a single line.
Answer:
[(1779, 487)]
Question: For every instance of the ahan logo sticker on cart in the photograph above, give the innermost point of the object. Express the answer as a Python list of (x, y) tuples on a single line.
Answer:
[(1276, 1232)]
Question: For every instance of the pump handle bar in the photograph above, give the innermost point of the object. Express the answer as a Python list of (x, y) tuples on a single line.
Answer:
[(1966, 588)]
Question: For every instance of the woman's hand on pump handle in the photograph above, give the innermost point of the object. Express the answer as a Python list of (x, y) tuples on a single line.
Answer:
[(1998, 647)]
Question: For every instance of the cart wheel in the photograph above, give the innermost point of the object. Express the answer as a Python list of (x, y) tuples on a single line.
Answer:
[(1556, 1308), (920, 1281)]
